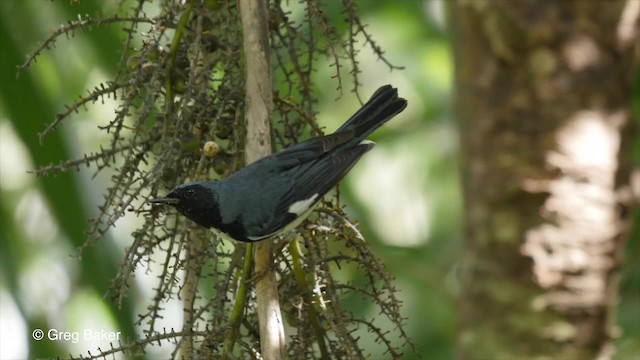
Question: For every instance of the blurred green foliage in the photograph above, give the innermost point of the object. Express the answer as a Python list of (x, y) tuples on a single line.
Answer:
[(426, 272)]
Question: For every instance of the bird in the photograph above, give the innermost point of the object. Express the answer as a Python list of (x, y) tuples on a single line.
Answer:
[(273, 195)]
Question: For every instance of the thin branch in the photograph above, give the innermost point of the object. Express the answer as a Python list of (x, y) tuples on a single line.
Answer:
[(173, 53), (239, 305), (69, 30), (98, 93), (299, 273), (258, 102)]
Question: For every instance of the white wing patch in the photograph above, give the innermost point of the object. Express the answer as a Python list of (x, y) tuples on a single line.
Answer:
[(300, 207)]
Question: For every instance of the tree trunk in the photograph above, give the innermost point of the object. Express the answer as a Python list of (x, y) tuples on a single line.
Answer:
[(543, 99)]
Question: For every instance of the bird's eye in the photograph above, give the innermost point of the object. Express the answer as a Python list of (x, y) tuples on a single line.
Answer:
[(189, 193)]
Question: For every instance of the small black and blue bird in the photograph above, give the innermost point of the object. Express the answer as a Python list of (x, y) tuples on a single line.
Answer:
[(275, 194)]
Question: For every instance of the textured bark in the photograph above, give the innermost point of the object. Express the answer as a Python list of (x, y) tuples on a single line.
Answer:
[(543, 98), (258, 106)]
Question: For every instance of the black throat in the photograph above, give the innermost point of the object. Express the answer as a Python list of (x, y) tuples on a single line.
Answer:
[(210, 218)]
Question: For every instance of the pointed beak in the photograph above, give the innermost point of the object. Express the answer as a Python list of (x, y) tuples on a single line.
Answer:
[(165, 201)]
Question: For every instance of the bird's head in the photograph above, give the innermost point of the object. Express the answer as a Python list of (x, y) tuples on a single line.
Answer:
[(195, 200)]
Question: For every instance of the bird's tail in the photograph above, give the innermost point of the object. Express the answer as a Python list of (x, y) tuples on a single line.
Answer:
[(383, 105)]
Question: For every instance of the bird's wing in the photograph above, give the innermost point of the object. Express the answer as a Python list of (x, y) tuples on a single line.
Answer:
[(311, 149), (309, 183)]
